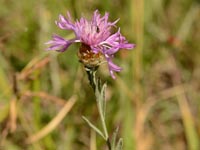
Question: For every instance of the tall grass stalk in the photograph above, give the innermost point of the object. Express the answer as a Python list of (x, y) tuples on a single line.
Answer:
[(137, 19)]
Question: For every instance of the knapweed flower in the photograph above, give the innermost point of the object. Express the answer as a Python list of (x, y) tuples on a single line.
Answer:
[(98, 44)]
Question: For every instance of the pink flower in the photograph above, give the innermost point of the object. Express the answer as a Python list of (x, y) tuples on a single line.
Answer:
[(96, 39)]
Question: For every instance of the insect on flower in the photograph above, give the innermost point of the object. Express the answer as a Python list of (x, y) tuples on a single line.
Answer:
[(98, 44)]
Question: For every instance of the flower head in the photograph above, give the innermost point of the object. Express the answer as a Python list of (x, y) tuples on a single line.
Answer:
[(97, 41)]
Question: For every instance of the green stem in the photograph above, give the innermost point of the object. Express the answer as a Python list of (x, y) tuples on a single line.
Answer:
[(102, 119), (97, 89)]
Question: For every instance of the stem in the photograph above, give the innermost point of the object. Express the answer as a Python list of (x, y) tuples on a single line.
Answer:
[(102, 119), (97, 89), (108, 144)]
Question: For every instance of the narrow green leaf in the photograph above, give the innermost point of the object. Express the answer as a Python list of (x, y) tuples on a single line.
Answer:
[(93, 127), (114, 137), (103, 99), (120, 144)]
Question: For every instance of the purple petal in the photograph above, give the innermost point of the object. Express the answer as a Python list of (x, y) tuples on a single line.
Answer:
[(59, 44), (65, 23), (111, 51), (127, 46), (113, 39), (112, 67), (116, 41)]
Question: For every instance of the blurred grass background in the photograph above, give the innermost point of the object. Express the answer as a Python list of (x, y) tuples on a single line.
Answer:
[(154, 101)]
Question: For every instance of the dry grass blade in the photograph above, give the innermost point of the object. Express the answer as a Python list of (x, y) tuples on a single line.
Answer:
[(187, 117), (44, 95), (188, 21), (138, 22), (13, 115), (147, 106), (93, 140), (53, 124), (188, 121), (137, 9), (32, 66)]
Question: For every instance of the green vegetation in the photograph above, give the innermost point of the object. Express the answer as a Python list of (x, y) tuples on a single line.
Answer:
[(154, 101)]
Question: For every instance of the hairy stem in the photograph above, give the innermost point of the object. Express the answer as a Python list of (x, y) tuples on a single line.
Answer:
[(95, 83)]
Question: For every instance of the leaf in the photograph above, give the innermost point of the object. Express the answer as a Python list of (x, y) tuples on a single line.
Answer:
[(93, 127), (103, 99), (114, 139), (120, 144)]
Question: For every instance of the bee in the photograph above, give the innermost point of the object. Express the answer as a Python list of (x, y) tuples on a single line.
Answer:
[(97, 29)]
